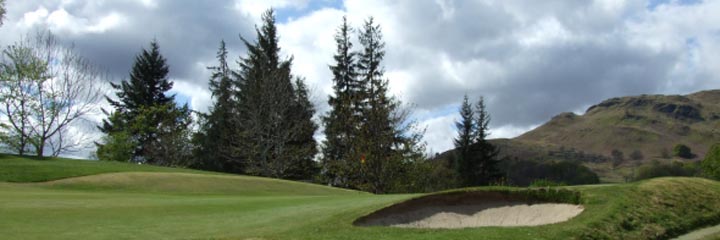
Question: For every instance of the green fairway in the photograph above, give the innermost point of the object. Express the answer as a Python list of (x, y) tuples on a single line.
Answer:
[(140, 202)]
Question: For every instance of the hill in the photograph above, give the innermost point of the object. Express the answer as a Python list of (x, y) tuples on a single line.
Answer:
[(649, 124), (643, 128)]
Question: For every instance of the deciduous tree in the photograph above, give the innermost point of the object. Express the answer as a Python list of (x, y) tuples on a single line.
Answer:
[(45, 87)]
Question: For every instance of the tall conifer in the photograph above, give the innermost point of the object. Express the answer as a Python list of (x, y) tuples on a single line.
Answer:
[(214, 142), (340, 163), (389, 142), (267, 119), (144, 115)]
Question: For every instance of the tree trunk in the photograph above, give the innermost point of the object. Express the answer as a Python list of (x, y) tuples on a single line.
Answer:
[(41, 148)]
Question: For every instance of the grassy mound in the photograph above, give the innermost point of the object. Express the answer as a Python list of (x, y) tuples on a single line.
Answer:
[(193, 183), (29, 169)]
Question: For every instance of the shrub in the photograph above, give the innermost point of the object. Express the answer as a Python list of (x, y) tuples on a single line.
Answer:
[(683, 151), (636, 155), (525, 172), (674, 169), (711, 164), (546, 183), (618, 157)]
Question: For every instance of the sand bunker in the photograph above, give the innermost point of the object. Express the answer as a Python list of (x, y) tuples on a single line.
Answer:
[(464, 210)]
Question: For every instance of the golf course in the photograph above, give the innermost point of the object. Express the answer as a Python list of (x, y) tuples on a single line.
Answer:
[(76, 199)]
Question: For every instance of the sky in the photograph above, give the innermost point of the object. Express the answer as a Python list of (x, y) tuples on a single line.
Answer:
[(531, 60)]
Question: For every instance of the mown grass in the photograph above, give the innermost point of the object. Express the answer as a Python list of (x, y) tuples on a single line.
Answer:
[(31, 169), (152, 205)]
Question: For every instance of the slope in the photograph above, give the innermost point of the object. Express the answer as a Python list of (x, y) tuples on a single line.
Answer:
[(649, 124)]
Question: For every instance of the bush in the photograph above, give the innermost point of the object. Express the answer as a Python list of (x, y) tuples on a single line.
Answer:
[(546, 183), (117, 146), (425, 176), (618, 157), (683, 151), (525, 172), (636, 155), (711, 164), (674, 169)]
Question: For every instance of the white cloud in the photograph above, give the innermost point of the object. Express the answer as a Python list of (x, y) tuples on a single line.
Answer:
[(200, 96), (31, 18), (60, 21), (310, 41), (105, 23), (547, 31), (255, 8), (440, 133), (510, 131)]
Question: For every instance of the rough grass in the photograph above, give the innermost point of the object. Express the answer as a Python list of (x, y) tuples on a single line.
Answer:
[(157, 205), (658, 209)]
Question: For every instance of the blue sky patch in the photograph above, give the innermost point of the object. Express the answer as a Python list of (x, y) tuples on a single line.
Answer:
[(286, 14), (652, 4)]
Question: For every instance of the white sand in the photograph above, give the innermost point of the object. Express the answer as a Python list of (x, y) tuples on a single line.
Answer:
[(497, 213)]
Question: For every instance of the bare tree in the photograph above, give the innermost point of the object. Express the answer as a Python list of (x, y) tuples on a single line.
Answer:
[(45, 87)]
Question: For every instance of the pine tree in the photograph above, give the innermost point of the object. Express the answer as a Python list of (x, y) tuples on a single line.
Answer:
[(380, 167), (466, 137), (388, 140), (302, 143), (214, 141), (267, 120), (484, 154), (144, 114), (475, 158), (339, 163)]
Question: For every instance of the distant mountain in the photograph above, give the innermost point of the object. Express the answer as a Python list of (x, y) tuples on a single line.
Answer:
[(650, 125)]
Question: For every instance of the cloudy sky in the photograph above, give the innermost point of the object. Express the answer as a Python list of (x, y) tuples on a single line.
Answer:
[(530, 59)]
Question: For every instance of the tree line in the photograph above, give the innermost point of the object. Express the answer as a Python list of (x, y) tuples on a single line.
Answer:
[(261, 122)]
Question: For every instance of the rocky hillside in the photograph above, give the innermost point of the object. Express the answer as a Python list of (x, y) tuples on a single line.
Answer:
[(649, 124)]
